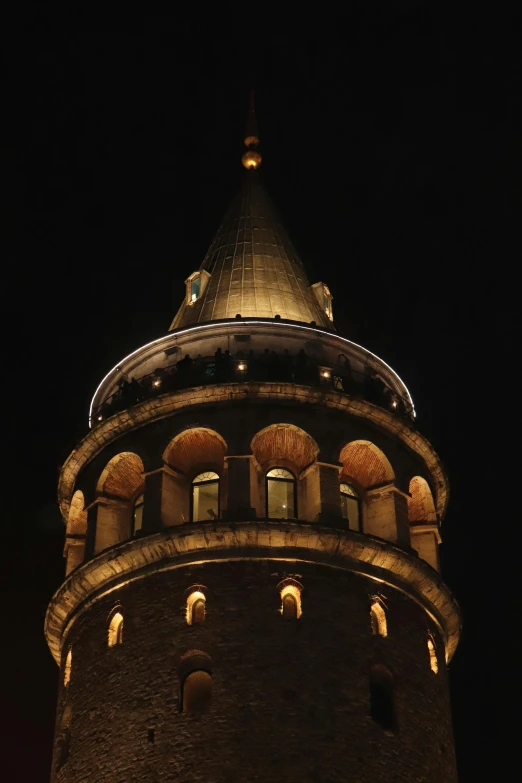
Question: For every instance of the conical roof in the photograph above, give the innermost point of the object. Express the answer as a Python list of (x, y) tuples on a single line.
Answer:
[(254, 269)]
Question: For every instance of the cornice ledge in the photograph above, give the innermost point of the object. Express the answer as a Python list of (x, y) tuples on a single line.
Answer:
[(181, 545)]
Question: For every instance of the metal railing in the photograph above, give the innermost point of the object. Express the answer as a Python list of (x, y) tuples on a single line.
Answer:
[(223, 367)]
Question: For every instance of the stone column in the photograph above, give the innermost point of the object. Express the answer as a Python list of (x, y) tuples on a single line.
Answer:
[(238, 501), (386, 515), (425, 539), (319, 493), (113, 522), (166, 499), (74, 552)]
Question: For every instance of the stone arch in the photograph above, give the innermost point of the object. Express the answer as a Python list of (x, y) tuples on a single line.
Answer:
[(190, 453), (364, 463), (421, 507), (195, 450), (76, 532), (384, 508), (285, 446), (122, 476), (119, 483)]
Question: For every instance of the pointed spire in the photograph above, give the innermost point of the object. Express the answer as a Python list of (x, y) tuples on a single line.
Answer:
[(251, 267)]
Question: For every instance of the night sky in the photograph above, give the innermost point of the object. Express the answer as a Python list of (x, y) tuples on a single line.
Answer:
[(392, 147)]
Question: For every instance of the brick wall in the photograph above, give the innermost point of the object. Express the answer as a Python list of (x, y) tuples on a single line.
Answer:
[(290, 698)]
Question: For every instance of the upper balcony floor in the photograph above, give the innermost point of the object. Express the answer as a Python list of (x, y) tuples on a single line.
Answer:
[(245, 350)]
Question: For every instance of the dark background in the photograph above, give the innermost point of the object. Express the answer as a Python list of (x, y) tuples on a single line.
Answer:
[(392, 147)]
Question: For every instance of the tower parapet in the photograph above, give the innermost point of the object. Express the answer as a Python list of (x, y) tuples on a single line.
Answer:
[(252, 545)]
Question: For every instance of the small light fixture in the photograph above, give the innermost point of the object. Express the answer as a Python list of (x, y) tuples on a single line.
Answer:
[(394, 404), (241, 366), (193, 297), (157, 382), (100, 417), (325, 372)]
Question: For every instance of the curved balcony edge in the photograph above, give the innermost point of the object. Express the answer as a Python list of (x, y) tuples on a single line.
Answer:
[(275, 540)]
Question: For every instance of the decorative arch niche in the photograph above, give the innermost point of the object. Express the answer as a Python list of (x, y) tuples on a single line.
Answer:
[(196, 452), (282, 446), (421, 507), (76, 532), (383, 507), (120, 482)]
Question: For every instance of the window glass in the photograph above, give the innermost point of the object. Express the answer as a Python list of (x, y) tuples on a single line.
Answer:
[(205, 497), (137, 520), (350, 507), (280, 492), (195, 287)]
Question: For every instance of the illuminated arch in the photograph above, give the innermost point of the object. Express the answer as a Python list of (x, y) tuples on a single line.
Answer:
[(76, 532), (378, 619), (434, 663), (122, 476), (196, 450), (115, 631), (196, 606), (291, 608), (285, 445), (366, 464), (421, 507)]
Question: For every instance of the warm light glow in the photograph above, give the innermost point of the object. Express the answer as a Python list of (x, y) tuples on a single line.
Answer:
[(394, 403), (251, 159), (115, 635), (193, 297), (157, 382), (246, 324), (100, 417), (434, 664), (192, 600), (67, 668), (241, 366), (378, 617), (295, 592)]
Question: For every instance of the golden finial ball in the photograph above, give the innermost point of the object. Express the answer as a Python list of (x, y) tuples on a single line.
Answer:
[(251, 159)]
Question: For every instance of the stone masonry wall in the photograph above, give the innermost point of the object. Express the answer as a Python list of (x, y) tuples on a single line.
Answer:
[(290, 699)]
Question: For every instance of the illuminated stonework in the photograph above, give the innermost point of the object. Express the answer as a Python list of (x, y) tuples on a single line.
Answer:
[(252, 532)]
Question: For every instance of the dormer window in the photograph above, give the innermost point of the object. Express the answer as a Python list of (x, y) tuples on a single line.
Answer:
[(196, 284), (324, 297)]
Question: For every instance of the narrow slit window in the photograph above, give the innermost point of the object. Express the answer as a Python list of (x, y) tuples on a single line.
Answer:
[(67, 668), (196, 608), (378, 618), (137, 514), (382, 698), (115, 635), (291, 602), (205, 497), (194, 288), (434, 664), (350, 506), (280, 494)]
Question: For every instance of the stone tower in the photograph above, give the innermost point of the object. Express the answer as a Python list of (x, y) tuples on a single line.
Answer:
[(252, 525)]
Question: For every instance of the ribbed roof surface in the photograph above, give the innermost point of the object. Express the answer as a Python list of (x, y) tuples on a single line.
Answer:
[(255, 270)]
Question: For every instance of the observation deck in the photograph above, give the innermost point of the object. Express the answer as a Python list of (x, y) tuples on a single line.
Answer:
[(250, 349)]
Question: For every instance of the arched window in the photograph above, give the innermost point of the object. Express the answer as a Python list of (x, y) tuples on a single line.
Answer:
[(196, 607), (378, 618), (291, 602), (350, 506), (197, 691), (205, 497), (382, 698), (67, 668), (137, 514), (115, 635), (434, 664), (280, 494), (195, 675)]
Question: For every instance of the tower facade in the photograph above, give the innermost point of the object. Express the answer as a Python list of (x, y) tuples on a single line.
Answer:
[(252, 523)]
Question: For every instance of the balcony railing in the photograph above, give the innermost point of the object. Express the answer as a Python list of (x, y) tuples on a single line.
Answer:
[(224, 367)]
